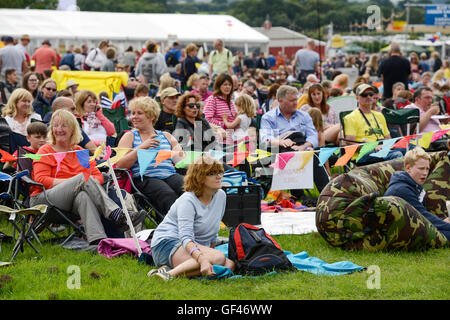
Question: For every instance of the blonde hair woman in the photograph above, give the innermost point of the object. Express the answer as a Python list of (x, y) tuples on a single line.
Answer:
[(183, 244), (160, 183), (18, 112), (42, 104), (65, 182)]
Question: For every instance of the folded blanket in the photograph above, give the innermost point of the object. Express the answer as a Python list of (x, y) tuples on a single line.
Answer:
[(112, 247), (300, 260)]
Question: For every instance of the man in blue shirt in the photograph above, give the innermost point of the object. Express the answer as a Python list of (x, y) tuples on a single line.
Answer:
[(285, 128)]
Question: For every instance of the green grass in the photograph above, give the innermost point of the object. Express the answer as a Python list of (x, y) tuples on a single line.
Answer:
[(403, 275)]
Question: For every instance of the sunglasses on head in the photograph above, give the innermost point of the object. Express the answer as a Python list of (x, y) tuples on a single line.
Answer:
[(367, 94), (193, 105)]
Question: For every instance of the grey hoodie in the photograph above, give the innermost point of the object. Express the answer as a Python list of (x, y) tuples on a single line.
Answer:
[(152, 66)]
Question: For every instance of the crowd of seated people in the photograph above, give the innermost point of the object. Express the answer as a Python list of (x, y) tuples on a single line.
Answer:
[(211, 107)]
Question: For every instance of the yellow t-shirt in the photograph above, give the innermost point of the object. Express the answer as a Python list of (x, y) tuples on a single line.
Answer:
[(221, 61), (356, 125), (302, 101)]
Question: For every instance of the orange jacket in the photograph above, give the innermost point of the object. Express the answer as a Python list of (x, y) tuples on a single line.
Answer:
[(44, 170)]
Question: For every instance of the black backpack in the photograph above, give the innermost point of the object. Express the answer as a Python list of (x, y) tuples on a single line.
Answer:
[(171, 60), (255, 252)]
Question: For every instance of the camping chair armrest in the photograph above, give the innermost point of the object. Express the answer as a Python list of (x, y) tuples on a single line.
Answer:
[(31, 182), (133, 186), (348, 140)]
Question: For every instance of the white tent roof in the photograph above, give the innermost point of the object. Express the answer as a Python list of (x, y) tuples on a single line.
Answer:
[(84, 25), (283, 37)]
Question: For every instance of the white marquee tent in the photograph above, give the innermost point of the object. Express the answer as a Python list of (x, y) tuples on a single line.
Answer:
[(123, 29)]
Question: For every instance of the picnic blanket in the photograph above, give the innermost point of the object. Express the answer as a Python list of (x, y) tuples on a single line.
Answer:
[(276, 223), (302, 261)]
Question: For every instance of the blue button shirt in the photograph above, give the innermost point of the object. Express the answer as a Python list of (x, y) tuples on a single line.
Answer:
[(273, 124)]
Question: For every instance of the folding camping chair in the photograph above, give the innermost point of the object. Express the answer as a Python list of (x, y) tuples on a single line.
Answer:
[(402, 121), (19, 216), (53, 215), (142, 201), (118, 118)]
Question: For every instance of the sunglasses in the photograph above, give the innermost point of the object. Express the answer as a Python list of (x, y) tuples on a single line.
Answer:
[(216, 173), (367, 94), (193, 105), (50, 89)]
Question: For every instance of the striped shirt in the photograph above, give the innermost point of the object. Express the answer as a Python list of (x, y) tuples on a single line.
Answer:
[(216, 107), (165, 169)]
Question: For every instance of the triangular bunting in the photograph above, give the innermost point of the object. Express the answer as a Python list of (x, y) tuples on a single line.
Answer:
[(59, 157), (188, 159), (145, 157), (349, 152), (306, 158), (439, 134), (260, 154), (282, 160), (325, 154), (216, 154), (404, 143), (387, 144), (366, 148), (120, 152), (83, 158), (33, 156), (7, 157), (163, 155), (108, 152)]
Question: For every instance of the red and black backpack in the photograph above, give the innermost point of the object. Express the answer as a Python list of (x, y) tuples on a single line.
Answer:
[(255, 252)]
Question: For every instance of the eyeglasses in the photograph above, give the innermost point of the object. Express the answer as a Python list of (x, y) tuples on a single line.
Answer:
[(50, 89), (217, 173), (33, 80), (193, 105), (367, 94)]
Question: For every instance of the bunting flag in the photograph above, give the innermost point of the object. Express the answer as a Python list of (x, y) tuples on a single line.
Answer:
[(439, 134), (325, 154), (188, 159), (163, 155), (240, 155), (145, 157), (83, 158), (306, 158), (7, 157), (282, 160), (404, 143), (260, 154), (425, 141), (349, 152), (366, 148), (386, 148), (33, 156), (120, 152), (108, 152), (215, 154), (59, 157)]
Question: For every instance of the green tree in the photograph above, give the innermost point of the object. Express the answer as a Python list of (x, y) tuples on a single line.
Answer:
[(32, 4)]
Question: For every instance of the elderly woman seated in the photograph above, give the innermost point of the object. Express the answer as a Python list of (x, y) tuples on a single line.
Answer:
[(160, 183), (65, 180)]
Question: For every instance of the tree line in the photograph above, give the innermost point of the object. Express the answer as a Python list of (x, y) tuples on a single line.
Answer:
[(304, 16)]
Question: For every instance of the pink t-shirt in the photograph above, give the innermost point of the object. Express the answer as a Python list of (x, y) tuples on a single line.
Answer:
[(45, 57), (432, 125)]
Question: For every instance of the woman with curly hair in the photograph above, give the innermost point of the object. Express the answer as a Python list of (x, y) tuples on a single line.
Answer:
[(183, 244)]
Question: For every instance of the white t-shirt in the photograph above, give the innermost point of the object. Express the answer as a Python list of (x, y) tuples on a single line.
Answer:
[(21, 128), (242, 131)]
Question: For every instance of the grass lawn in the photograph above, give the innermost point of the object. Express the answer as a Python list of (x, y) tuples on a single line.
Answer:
[(403, 275)]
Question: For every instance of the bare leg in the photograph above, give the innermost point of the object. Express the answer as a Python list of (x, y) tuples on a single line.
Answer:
[(332, 133), (184, 264)]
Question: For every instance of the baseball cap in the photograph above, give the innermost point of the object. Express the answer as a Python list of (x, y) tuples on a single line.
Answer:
[(8, 39), (363, 87), (169, 92)]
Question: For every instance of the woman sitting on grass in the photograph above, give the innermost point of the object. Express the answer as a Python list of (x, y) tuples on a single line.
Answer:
[(183, 243)]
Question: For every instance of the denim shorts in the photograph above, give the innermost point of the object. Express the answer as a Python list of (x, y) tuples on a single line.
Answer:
[(162, 253)]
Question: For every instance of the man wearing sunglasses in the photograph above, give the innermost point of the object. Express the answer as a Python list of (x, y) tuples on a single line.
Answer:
[(366, 125)]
